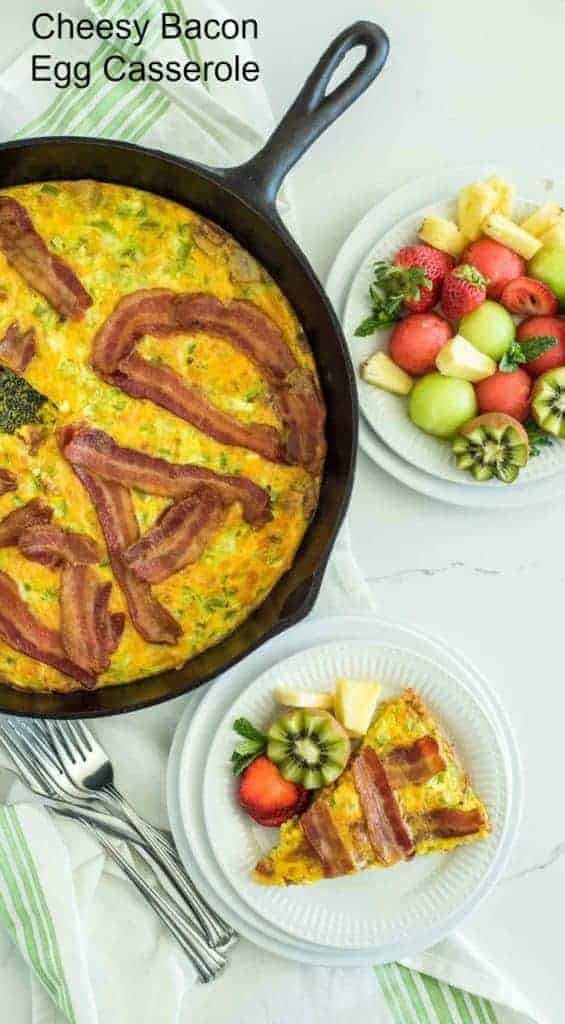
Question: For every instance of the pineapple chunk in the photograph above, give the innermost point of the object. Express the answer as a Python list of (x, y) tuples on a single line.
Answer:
[(556, 234), (459, 358), (304, 698), (508, 233), (443, 234), (381, 371), (505, 191), (474, 204), (355, 704), (542, 219)]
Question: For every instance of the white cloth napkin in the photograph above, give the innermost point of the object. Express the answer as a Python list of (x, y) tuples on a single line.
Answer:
[(77, 942)]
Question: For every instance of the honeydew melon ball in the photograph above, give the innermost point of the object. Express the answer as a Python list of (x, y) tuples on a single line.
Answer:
[(441, 405), (490, 328), (548, 266)]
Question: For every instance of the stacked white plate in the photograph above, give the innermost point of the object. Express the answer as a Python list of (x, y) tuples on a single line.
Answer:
[(374, 916), (386, 433)]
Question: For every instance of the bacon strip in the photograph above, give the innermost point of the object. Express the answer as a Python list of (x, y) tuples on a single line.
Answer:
[(35, 513), (88, 638), (321, 832), (303, 414), (24, 633), (178, 538), (415, 764), (99, 454), (164, 312), (447, 823), (387, 830), (8, 481), (244, 325), (148, 311), (17, 348), (116, 514), (53, 546), (142, 379), (26, 251)]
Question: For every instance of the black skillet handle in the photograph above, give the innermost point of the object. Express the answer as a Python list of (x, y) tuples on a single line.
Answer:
[(311, 113)]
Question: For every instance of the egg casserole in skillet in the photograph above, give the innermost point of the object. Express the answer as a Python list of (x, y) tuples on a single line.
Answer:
[(169, 454)]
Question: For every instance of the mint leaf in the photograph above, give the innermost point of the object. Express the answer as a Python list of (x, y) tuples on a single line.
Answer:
[(525, 352), (538, 438), (241, 762), (251, 746), (534, 347), (245, 728)]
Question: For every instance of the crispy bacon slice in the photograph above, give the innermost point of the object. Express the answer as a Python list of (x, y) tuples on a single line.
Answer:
[(88, 638), (447, 823), (53, 546), (321, 832), (116, 514), (142, 379), (8, 481), (414, 764), (17, 348), (96, 452), (387, 830), (178, 538), (164, 312), (241, 323), (23, 632), (148, 311), (35, 513), (26, 251), (303, 414)]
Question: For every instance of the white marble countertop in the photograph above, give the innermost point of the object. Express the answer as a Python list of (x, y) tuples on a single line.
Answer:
[(462, 85)]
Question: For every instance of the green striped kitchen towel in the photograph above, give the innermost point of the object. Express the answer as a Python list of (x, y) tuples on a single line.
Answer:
[(94, 950)]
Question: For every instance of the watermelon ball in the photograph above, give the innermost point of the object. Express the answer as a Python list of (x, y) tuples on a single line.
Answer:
[(496, 262), (506, 392), (544, 327), (416, 341)]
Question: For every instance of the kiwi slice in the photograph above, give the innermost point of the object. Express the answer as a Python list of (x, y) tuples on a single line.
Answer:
[(309, 746), (548, 401), (492, 445)]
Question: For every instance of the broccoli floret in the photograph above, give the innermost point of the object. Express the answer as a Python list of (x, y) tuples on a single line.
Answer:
[(20, 404)]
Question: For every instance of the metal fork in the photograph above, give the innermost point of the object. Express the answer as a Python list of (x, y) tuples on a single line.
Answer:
[(66, 793), (208, 962), (89, 769)]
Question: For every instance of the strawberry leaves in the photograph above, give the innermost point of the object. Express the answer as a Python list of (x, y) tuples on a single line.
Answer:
[(249, 747), (524, 352), (390, 287)]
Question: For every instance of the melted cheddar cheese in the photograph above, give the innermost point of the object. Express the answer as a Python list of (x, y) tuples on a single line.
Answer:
[(119, 240)]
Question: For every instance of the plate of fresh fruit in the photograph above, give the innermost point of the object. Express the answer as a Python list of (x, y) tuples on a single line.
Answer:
[(454, 323)]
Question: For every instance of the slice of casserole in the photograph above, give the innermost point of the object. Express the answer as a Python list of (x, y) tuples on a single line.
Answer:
[(403, 793)]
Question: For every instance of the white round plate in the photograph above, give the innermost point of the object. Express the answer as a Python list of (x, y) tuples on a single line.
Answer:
[(372, 908), (189, 750), (355, 253)]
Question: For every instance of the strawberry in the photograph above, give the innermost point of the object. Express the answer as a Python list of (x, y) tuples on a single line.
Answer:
[(434, 264), (463, 290), (527, 297), (266, 796), (274, 820)]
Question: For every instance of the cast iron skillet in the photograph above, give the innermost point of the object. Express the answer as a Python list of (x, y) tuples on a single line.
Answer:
[(242, 200)]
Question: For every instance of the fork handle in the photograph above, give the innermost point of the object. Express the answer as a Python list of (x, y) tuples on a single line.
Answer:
[(208, 962), (218, 933)]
